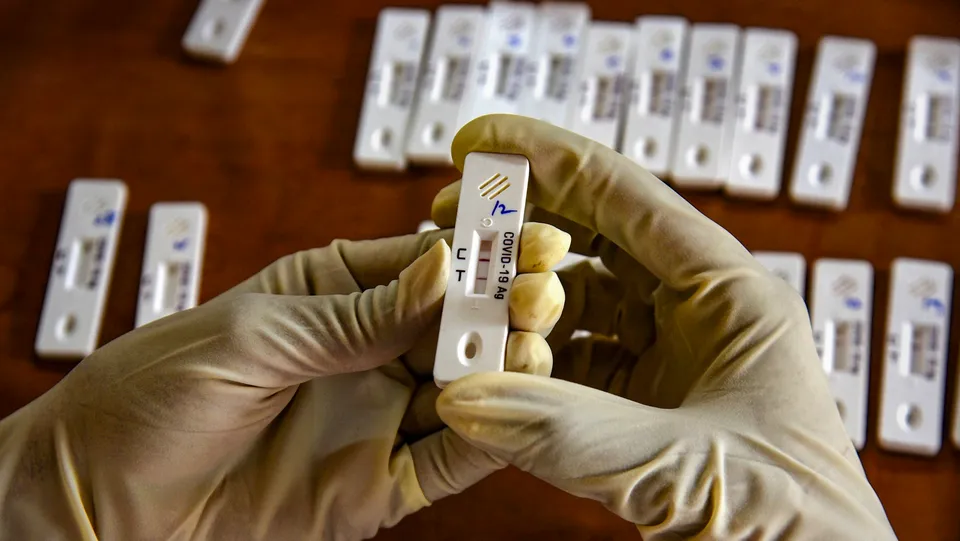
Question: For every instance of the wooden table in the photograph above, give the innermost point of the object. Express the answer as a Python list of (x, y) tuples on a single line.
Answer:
[(101, 89)]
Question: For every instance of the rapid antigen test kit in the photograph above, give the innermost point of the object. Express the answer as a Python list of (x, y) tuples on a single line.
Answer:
[(476, 315), (172, 260), (391, 88), (82, 268)]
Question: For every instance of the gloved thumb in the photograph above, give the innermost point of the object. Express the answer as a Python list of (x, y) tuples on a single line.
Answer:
[(277, 341), (587, 442), (336, 334)]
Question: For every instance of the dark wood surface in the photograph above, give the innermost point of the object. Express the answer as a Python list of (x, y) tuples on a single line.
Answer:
[(101, 89)]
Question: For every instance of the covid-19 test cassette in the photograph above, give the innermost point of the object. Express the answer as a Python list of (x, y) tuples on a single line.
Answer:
[(497, 79), (476, 310), (841, 311), (391, 89), (763, 110), (650, 122), (172, 260), (829, 140), (456, 32), (915, 356), (926, 172), (555, 61), (82, 268), (705, 130)]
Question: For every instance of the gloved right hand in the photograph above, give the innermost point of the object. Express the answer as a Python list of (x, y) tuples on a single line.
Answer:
[(706, 414)]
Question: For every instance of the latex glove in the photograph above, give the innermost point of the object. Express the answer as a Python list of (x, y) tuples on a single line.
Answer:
[(276, 411), (709, 414)]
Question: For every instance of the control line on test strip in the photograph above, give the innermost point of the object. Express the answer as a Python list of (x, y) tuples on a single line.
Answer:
[(475, 319)]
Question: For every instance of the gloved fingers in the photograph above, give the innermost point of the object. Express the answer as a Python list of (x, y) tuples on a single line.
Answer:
[(536, 301), (446, 464), (595, 301), (296, 338), (343, 267), (582, 240), (602, 363), (526, 352), (597, 187), (587, 442)]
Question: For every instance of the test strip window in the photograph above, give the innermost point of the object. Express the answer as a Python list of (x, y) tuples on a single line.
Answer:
[(172, 260), (788, 266), (82, 269), (829, 140), (603, 83), (654, 107), (926, 168), (456, 33), (498, 77), (841, 307), (763, 108), (915, 356), (705, 130), (475, 319), (219, 29), (556, 57), (391, 86)]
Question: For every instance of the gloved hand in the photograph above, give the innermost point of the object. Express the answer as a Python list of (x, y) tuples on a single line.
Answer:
[(279, 410), (699, 409)]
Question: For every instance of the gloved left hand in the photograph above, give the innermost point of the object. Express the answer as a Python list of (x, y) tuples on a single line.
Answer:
[(299, 405)]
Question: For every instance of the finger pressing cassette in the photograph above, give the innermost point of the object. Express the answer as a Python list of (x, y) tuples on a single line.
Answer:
[(476, 316), (82, 268), (172, 260), (915, 356), (841, 309)]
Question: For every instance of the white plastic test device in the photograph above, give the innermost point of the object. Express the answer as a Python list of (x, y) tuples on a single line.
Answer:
[(841, 310), (836, 104), (926, 172), (391, 89), (82, 268), (476, 315), (496, 82), (705, 131), (789, 266), (603, 88), (915, 356), (763, 112), (456, 32), (650, 122), (172, 260), (219, 29), (555, 61)]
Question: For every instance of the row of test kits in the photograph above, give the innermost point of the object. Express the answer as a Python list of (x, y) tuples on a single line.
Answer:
[(705, 105), (84, 257), (914, 361)]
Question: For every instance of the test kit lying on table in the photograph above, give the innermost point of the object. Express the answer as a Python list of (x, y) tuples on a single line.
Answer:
[(476, 315), (82, 267)]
